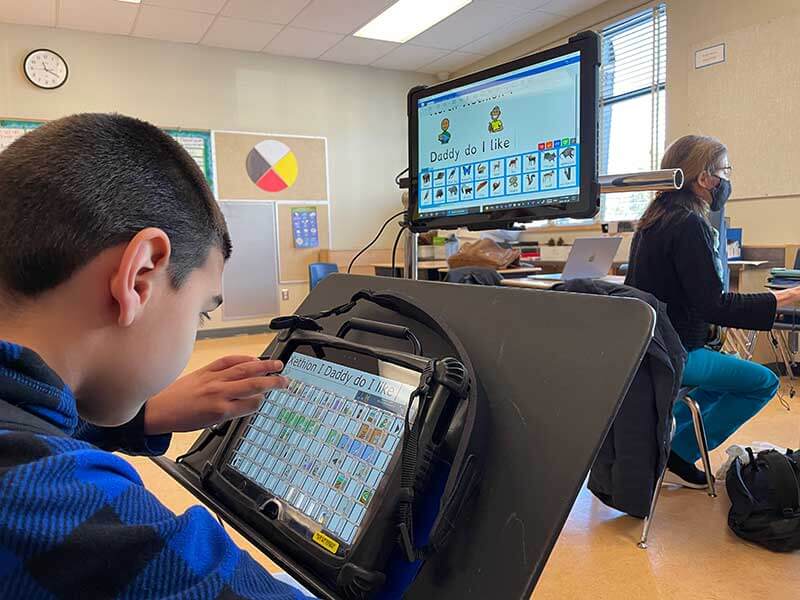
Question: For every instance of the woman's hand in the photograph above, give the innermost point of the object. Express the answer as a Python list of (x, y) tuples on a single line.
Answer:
[(786, 298), (230, 387)]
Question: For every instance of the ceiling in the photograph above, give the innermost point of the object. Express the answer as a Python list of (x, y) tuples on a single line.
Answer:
[(314, 29)]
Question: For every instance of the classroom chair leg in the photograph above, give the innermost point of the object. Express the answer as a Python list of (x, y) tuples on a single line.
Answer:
[(702, 442), (648, 520)]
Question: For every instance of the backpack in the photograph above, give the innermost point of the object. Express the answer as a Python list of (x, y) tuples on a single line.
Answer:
[(765, 499)]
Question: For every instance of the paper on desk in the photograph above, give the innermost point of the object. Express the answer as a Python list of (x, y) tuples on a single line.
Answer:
[(748, 263)]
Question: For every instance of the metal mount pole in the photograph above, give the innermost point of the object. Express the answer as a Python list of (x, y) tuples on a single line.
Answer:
[(411, 270), (646, 181)]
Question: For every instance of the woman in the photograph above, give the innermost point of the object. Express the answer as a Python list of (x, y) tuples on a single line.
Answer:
[(675, 257)]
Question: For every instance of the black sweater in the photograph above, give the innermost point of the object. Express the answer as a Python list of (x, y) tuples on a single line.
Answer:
[(674, 261)]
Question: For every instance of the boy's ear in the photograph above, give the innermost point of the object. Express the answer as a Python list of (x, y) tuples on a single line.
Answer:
[(144, 262)]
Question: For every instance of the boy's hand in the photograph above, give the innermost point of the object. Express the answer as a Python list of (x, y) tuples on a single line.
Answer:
[(227, 388)]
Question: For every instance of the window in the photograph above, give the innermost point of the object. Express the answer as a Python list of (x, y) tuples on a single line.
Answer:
[(632, 105), (633, 81)]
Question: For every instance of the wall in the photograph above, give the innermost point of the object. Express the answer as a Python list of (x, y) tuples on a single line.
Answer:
[(361, 110), (694, 24)]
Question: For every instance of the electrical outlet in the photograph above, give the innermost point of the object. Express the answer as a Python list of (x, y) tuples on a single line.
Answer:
[(284, 294)]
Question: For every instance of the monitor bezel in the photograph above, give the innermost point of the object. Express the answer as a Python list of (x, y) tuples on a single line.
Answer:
[(588, 44)]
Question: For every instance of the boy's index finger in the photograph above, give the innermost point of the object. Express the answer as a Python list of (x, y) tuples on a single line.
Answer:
[(244, 388), (272, 366), (226, 362), (251, 368)]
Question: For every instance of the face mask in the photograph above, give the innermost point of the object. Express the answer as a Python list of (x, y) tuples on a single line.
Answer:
[(720, 194)]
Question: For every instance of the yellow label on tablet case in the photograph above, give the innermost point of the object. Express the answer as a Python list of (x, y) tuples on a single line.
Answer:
[(323, 540)]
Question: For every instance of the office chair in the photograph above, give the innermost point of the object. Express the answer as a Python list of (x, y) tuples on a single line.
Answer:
[(319, 271)]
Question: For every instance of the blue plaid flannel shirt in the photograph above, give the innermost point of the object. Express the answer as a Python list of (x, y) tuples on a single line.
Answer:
[(77, 522)]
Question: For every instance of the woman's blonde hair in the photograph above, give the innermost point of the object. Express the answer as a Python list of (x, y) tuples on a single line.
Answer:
[(693, 154)]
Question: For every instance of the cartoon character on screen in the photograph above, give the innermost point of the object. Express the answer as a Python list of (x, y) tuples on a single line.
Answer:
[(444, 137), (495, 125)]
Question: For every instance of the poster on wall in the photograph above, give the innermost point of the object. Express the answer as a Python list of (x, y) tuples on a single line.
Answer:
[(11, 130), (252, 166), (198, 145), (304, 227)]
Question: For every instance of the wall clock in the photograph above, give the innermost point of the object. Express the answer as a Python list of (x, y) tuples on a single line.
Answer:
[(46, 69)]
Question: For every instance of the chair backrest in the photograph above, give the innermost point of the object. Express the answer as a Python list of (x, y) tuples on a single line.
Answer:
[(319, 271)]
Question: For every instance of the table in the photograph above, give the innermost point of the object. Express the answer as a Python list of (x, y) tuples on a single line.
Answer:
[(428, 269), (553, 265), (748, 275), (435, 270), (545, 284)]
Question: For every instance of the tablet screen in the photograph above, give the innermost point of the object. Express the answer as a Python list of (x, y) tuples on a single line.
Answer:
[(323, 445)]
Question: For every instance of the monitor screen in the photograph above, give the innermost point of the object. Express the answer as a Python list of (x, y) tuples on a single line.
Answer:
[(480, 148), (324, 444), (505, 144)]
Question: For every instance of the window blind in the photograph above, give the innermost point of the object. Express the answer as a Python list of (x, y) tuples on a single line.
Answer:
[(633, 87)]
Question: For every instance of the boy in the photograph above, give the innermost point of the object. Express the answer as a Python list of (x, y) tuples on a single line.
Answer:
[(111, 250)]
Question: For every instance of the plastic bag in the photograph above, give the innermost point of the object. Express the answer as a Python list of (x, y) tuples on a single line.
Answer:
[(483, 253), (739, 451)]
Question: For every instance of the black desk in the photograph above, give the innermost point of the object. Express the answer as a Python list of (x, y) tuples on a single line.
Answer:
[(554, 368)]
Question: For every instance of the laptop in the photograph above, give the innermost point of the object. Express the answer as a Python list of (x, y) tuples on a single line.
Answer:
[(590, 258)]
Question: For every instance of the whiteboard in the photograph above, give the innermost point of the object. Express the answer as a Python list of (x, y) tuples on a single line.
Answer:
[(250, 279), (752, 103)]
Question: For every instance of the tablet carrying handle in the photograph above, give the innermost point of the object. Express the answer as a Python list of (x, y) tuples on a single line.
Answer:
[(385, 329)]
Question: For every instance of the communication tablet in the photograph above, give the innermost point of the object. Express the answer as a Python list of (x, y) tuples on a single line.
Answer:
[(321, 449)]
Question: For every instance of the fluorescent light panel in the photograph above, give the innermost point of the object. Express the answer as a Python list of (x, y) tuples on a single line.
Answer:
[(132, 1), (406, 19)]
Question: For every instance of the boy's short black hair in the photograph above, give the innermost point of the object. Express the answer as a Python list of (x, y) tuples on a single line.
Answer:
[(82, 184)]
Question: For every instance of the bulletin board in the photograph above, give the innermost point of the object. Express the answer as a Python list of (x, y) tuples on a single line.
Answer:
[(255, 166), (750, 102), (13, 129), (198, 144), (294, 261)]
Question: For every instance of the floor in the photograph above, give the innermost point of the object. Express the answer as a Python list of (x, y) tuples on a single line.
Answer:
[(692, 554)]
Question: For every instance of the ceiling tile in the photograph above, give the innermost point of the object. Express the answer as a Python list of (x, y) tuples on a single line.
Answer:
[(206, 6), (465, 26), (28, 12), (409, 58), (508, 35), (302, 43), (358, 51), (451, 62), (240, 35), (340, 16), (570, 8), (171, 25), (103, 16), (270, 11)]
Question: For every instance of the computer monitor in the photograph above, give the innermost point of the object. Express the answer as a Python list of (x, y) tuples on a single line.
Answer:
[(513, 143)]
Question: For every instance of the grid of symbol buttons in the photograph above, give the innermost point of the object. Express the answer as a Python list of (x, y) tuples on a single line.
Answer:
[(553, 167), (322, 453)]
